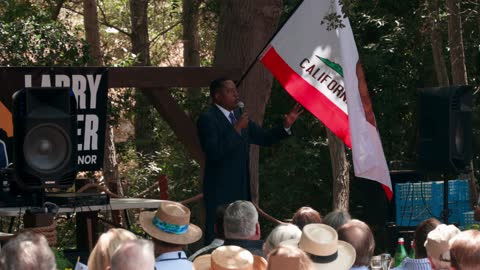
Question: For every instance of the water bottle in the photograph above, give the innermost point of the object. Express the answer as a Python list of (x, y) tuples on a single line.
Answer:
[(400, 253), (412, 250)]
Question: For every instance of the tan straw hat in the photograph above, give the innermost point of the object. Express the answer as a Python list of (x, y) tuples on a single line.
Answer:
[(281, 262), (230, 258), (171, 224), (321, 243)]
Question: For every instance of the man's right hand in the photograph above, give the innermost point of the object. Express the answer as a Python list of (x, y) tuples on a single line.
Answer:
[(241, 123)]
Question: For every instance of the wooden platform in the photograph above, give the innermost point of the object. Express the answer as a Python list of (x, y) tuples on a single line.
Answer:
[(115, 204)]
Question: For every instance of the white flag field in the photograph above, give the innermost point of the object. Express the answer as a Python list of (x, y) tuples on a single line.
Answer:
[(320, 68)]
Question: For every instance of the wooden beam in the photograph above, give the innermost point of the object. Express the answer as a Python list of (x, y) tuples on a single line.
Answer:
[(156, 79), (12, 78)]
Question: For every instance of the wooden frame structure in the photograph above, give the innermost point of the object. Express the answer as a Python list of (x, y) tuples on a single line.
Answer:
[(155, 83)]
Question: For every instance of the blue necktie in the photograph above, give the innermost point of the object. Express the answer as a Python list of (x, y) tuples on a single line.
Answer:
[(232, 118)]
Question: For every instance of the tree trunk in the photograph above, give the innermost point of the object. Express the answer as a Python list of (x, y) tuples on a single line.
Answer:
[(144, 114), (92, 32), (56, 7), (455, 42), (459, 72), (436, 42), (191, 44), (110, 165), (340, 169), (244, 28), (478, 15)]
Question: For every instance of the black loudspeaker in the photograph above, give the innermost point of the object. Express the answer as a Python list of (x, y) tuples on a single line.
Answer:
[(45, 137), (445, 129)]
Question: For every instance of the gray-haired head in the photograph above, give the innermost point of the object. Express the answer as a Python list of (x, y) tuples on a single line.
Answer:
[(336, 218), (279, 234), (27, 251), (240, 220), (133, 254)]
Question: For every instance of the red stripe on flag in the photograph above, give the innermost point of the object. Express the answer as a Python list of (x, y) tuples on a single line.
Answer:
[(388, 192), (307, 95)]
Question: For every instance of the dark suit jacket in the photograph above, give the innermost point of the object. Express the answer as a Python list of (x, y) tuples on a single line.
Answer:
[(226, 177)]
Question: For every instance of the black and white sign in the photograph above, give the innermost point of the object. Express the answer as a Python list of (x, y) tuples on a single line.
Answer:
[(89, 86)]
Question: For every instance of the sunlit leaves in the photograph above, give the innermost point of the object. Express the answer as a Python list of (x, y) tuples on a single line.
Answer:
[(30, 42)]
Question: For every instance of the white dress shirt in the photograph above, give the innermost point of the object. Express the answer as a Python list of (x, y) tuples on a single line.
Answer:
[(176, 260), (227, 113)]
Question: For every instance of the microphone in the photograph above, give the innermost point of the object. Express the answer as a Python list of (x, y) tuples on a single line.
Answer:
[(240, 106)]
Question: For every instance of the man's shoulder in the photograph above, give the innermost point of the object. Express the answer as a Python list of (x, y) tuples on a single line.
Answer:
[(254, 246), (210, 113), (207, 249)]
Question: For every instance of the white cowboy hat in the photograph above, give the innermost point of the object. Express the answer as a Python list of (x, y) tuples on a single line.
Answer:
[(171, 224), (321, 243), (437, 243), (230, 258)]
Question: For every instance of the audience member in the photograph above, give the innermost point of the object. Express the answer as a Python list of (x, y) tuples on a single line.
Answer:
[(231, 258), (133, 255), (358, 234), (108, 242), (465, 250), (219, 234), (291, 258), (420, 261), (170, 230), (336, 218), (27, 251), (242, 228), (320, 242), (437, 245), (281, 233), (306, 215)]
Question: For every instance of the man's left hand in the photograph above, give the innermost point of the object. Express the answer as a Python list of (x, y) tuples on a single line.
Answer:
[(291, 117)]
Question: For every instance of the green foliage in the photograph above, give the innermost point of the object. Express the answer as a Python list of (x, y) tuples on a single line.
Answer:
[(472, 227), (296, 172), (171, 159), (29, 38), (62, 261), (394, 55)]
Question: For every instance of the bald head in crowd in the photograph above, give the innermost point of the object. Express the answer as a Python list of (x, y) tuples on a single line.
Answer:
[(133, 255), (27, 251), (358, 234)]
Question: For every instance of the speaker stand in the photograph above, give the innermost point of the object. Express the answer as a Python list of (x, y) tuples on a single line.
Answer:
[(445, 212)]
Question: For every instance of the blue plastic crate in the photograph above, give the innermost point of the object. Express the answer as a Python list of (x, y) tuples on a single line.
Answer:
[(416, 202), (468, 220)]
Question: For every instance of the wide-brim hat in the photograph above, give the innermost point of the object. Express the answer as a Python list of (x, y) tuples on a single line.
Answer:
[(230, 258), (437, 243), (321, 243), (171, 224)]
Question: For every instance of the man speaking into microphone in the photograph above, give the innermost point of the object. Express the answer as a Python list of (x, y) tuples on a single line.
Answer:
[(225, 133)]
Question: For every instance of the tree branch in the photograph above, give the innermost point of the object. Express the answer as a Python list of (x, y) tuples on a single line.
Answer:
[(106, 23), (147, 190), (57, 6), (164, 32)]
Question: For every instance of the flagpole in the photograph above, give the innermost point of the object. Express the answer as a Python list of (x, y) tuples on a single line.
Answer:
[(266, 44)]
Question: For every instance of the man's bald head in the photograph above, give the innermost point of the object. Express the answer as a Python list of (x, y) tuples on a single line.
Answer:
[(358, 234)]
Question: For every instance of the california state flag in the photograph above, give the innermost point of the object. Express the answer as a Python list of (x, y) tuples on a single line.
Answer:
[(320, 68)]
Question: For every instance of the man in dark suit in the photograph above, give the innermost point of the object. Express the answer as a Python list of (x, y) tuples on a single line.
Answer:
[(225, 135)]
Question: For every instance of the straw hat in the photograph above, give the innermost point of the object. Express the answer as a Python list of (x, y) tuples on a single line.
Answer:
[(230, 258), (437, 243), (321, 243), (171, 224)]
